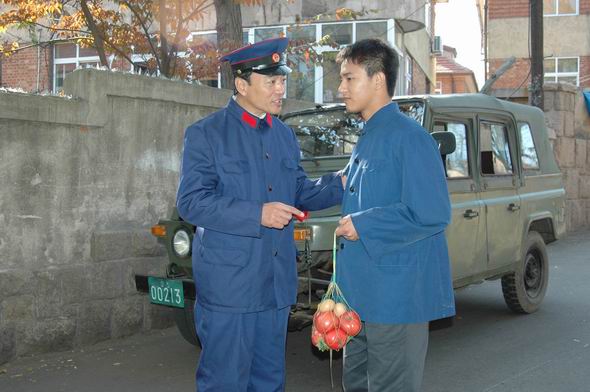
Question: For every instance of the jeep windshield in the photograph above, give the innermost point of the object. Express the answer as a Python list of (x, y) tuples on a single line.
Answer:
[(330, 131)]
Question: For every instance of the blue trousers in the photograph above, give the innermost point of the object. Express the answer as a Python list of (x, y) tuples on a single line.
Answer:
[(241, 352)]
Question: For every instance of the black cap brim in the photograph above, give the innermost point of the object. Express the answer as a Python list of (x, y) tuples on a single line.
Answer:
[(272, 71)]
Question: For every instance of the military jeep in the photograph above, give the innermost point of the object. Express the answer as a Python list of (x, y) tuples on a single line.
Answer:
[(506, 191)]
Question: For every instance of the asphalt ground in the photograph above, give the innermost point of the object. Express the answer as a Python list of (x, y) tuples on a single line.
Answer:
[(488, 348)]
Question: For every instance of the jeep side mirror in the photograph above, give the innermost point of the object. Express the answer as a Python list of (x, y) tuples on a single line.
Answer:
[(446, 142)]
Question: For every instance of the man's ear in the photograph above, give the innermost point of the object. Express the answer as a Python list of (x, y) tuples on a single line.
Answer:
[(380, 80), (241, 86)]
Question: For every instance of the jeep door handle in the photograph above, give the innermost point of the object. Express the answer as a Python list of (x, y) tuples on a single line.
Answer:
[(513, 207), (470, 214)]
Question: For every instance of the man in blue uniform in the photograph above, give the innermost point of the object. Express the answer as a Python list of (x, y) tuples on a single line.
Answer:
[(393, 266), (241, 184)]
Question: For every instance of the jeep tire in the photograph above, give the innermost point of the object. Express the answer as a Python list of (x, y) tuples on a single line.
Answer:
[(185, 322), (525, 288)]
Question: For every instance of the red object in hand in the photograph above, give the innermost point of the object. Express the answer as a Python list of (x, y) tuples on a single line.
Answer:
[(302, 218), (325, 321), (336, 339), (350, 322)]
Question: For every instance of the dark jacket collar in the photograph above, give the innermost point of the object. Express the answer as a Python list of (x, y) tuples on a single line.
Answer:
[(246, 117)]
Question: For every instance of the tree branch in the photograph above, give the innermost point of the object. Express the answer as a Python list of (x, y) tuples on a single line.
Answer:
[(146, 32)]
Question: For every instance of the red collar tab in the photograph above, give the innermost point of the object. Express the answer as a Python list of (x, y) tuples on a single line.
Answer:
[(249, 119), (252, 121)]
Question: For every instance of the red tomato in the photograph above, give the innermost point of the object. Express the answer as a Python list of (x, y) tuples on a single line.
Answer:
[(350, 322), (336, 339), (316, 337), (325, 321)]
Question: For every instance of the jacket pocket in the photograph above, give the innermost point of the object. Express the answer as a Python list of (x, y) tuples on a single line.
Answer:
[(224, 256), (235, 167)]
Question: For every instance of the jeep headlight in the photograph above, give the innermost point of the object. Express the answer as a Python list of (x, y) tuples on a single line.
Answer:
[(181, 243)]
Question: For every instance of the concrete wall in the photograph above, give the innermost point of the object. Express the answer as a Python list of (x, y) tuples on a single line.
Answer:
[(569, 126), (82, 180)]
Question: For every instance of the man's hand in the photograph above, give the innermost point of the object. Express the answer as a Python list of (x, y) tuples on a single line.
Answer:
[(343, 178), (346, 229), (278, 215)]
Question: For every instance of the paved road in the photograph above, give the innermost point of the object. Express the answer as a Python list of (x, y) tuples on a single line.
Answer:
[(489, 349)]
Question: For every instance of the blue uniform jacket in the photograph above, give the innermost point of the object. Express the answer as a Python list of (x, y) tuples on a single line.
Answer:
[(398, 271), (232, 164)]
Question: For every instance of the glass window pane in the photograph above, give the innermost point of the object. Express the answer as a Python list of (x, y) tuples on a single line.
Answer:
[(549, 7), (567, 6), (457, 163), (340, 33), (494, 149), (61, 70), (88, 52), (527, 148), (371, 30), (567, 65), (262, 34), (302, 34), (549, 65), (65, 51), (208, 39), (245, 37), (569, 79), (330, 133), (331, 77), (301, 82)]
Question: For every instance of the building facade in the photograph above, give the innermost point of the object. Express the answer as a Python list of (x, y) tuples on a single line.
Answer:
[(407, 25), (566, 39), (452, 77)]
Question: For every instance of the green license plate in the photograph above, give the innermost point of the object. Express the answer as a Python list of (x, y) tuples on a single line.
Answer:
[(166, 292)]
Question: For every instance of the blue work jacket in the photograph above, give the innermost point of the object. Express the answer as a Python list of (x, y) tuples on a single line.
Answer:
[(232, 164), (398, 271)]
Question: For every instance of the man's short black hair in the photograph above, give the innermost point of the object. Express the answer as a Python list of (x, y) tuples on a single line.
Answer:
[(374, 56)]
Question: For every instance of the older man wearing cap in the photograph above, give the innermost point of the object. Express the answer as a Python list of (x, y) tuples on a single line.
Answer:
[(241, 184)]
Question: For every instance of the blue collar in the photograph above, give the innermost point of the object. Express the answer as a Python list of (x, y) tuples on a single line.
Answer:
[(246, 117), (381, 115)]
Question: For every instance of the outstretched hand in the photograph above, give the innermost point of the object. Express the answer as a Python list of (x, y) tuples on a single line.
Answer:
[(277, 215)]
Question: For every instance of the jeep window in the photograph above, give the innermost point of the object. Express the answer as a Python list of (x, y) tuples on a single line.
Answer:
[(457, 163), (326, 134), (529, 158), (494, 149), (334, 132)]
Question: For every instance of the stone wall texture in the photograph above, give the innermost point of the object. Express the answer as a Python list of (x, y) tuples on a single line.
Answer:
[(83, 178), (569, 126)]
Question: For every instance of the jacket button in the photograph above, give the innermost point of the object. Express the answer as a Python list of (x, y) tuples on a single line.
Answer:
[(267, 155), (356, 160), (270, 188), (276, 253), (351, 189), (341, 246)]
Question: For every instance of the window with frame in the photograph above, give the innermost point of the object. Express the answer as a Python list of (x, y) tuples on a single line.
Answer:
[(68, 57), (326, 134), (494, 149), (560, 7), (438, 89), (562, 69), (457, 163), (529, 158)]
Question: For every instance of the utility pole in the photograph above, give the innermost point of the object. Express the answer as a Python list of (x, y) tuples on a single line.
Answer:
[(536, 89)]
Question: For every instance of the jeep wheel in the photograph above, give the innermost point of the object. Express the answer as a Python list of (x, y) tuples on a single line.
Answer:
[(525, 288), (185, 322)]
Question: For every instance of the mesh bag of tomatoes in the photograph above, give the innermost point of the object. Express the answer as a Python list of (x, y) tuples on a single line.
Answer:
[(334, 322)]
